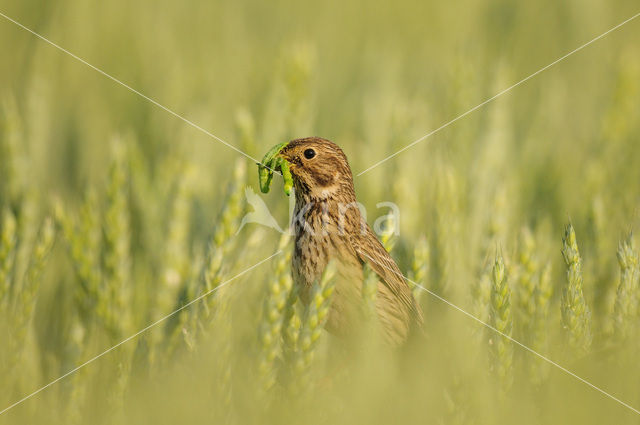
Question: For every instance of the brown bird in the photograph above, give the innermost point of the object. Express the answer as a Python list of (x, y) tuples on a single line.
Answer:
[(328, 226)]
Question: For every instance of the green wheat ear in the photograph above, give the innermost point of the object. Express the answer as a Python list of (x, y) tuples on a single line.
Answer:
[(502, 321), (272, 163), (8, 241), (626, 304), (576, 316), (274, 314), (315, 316)]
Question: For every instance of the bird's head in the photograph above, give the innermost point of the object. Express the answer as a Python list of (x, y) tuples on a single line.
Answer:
[(316, 167)]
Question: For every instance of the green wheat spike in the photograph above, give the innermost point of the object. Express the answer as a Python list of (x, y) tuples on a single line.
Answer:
[(38, 259), (176, 264), (538, 368), (576, 316), (25, 299), (273, 314), (176, 256), (481, 294), (526, 280), (84, 245), (388, 236), (181, 329), (117, 238), (221, 244), (291, 323), (7, 252), (501, 319), (446, 229), (626, 303), (315, 316), (233, 205)]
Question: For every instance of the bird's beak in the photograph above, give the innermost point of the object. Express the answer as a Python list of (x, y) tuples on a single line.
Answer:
[(275, 161)]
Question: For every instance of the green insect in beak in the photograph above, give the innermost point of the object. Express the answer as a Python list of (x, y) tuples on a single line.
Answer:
[(273, 162)]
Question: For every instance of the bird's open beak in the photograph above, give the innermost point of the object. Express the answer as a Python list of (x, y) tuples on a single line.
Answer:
[(274, 161)]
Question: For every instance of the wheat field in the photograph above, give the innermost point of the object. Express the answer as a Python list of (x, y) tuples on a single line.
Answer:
[(125, 270)]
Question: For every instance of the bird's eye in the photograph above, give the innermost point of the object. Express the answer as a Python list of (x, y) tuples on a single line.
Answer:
[(309, 153)]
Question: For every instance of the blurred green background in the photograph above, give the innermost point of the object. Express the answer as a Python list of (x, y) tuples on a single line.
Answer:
[(145, 208)]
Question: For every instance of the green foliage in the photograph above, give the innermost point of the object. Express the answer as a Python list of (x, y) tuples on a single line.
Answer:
[(102, 236), (419, 272), (539, 328)]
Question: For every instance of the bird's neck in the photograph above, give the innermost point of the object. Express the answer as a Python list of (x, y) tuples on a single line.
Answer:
[(329, 213)]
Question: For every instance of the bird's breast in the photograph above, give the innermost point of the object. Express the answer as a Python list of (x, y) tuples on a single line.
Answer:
[(318, 240)]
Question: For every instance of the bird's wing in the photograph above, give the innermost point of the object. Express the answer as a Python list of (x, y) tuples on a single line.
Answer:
[(371, 252)]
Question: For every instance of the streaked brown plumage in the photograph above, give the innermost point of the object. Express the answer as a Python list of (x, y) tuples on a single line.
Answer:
[(328, 225)]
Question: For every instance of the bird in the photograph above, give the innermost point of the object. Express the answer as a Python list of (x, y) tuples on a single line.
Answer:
[(329, 227)]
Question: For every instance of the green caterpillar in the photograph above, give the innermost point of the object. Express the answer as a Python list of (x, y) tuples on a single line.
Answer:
[(273, 163)]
